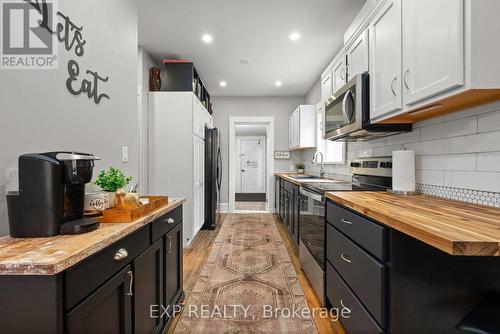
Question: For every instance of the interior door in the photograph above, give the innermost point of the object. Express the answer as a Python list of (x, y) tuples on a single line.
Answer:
[(253, 165), (386, 60), (433, 47)]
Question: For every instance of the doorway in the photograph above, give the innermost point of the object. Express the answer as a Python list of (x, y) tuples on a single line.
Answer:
[(251, 145), (250, 192)]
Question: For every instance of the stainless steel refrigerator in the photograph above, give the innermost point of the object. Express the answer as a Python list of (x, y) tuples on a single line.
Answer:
[(213, 178)]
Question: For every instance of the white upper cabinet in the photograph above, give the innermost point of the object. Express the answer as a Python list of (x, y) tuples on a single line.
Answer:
[(201, 118), (339, 73), (386, 60), (357, 56), (433, 47), (302, 128), (327, 86)]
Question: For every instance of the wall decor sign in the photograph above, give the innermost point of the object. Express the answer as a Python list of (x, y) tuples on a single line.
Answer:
[(282, 155), (70, 35)]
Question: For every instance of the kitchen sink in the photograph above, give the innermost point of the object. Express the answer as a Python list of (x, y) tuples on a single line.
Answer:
[(301, 177)]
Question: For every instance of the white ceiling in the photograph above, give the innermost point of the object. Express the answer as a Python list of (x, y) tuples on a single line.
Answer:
[(255, 30)]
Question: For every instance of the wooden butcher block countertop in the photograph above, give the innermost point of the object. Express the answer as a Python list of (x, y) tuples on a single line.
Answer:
[(52, 255), (454, 227)]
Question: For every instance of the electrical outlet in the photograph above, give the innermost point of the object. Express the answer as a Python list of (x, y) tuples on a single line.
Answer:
[(124, 153)]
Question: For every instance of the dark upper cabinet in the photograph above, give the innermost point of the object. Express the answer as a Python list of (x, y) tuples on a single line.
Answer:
[(107, 310), (148, 289), (173, 265)]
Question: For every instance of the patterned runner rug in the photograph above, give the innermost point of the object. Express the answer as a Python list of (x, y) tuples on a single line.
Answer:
[(248, 284)]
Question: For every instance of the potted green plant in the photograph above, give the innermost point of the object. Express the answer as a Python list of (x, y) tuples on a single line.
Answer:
[(300, 168), (110, 181)]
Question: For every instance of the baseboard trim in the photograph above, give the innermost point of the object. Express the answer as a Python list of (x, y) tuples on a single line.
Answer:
[(223, 207)]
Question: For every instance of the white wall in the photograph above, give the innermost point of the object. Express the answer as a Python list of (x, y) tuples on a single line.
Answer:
[(278, 107), (39, 114), (145, 62)]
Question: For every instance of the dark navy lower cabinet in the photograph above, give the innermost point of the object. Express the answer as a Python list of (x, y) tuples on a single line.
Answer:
[(111, 291), (393, 283)]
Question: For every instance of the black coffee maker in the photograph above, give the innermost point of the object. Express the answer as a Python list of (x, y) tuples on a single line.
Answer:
[(51, 195)]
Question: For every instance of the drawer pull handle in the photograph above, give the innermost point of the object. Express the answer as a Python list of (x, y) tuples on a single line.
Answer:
[(345, 221), (343, 305), (131, 281), (121, 254), (170, 221), (169, 244), (345, 258)]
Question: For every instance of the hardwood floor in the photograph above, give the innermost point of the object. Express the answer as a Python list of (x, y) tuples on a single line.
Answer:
[(323, 325), (197, 253)]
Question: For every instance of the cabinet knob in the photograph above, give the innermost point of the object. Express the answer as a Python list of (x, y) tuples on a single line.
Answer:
[(121, 254), (169, 221)]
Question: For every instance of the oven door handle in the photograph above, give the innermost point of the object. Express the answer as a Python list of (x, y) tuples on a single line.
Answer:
[(314, 196)]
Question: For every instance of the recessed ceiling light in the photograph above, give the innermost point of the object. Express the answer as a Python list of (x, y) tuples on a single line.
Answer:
[(294, 36), (278, 83), (207, 38), (223, 84)]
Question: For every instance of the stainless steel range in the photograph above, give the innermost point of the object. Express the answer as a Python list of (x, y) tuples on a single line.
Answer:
[(368, 174)]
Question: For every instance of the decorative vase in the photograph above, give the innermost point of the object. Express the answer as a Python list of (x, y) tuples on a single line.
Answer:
[(154, 79)]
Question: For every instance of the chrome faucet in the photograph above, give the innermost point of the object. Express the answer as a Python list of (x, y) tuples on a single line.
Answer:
[(321, 171)]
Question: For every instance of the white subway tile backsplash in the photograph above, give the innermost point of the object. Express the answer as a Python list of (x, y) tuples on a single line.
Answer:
[(461, 162), (473, 180), (457, 155), (410, 137), (482, 142), (434, 177), (489, 122), (428, 122), (460, 127), (488, 162)]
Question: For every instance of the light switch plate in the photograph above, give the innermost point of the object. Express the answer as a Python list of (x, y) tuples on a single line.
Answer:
[(124, 153)]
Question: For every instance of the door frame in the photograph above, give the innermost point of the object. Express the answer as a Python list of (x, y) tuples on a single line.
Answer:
[(269, 122), (239, 165)]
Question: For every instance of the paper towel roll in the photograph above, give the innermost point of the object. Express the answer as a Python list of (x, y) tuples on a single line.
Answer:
[(403, 170)]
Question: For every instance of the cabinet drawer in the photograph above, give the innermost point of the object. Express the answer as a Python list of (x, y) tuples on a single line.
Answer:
[(355, 266), (338, 293), (369, 235), (87, 276), (165, 223)]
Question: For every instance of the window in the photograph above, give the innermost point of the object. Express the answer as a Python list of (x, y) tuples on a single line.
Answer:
[(333, 152)]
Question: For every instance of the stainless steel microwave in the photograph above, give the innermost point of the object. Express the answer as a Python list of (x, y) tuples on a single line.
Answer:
[(347, 114)]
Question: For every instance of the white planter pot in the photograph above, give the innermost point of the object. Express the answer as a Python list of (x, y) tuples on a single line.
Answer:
[(96, 200)]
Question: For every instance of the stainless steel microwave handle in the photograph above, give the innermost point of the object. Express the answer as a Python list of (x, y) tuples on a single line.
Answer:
[(314, 196), (344, 105)]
